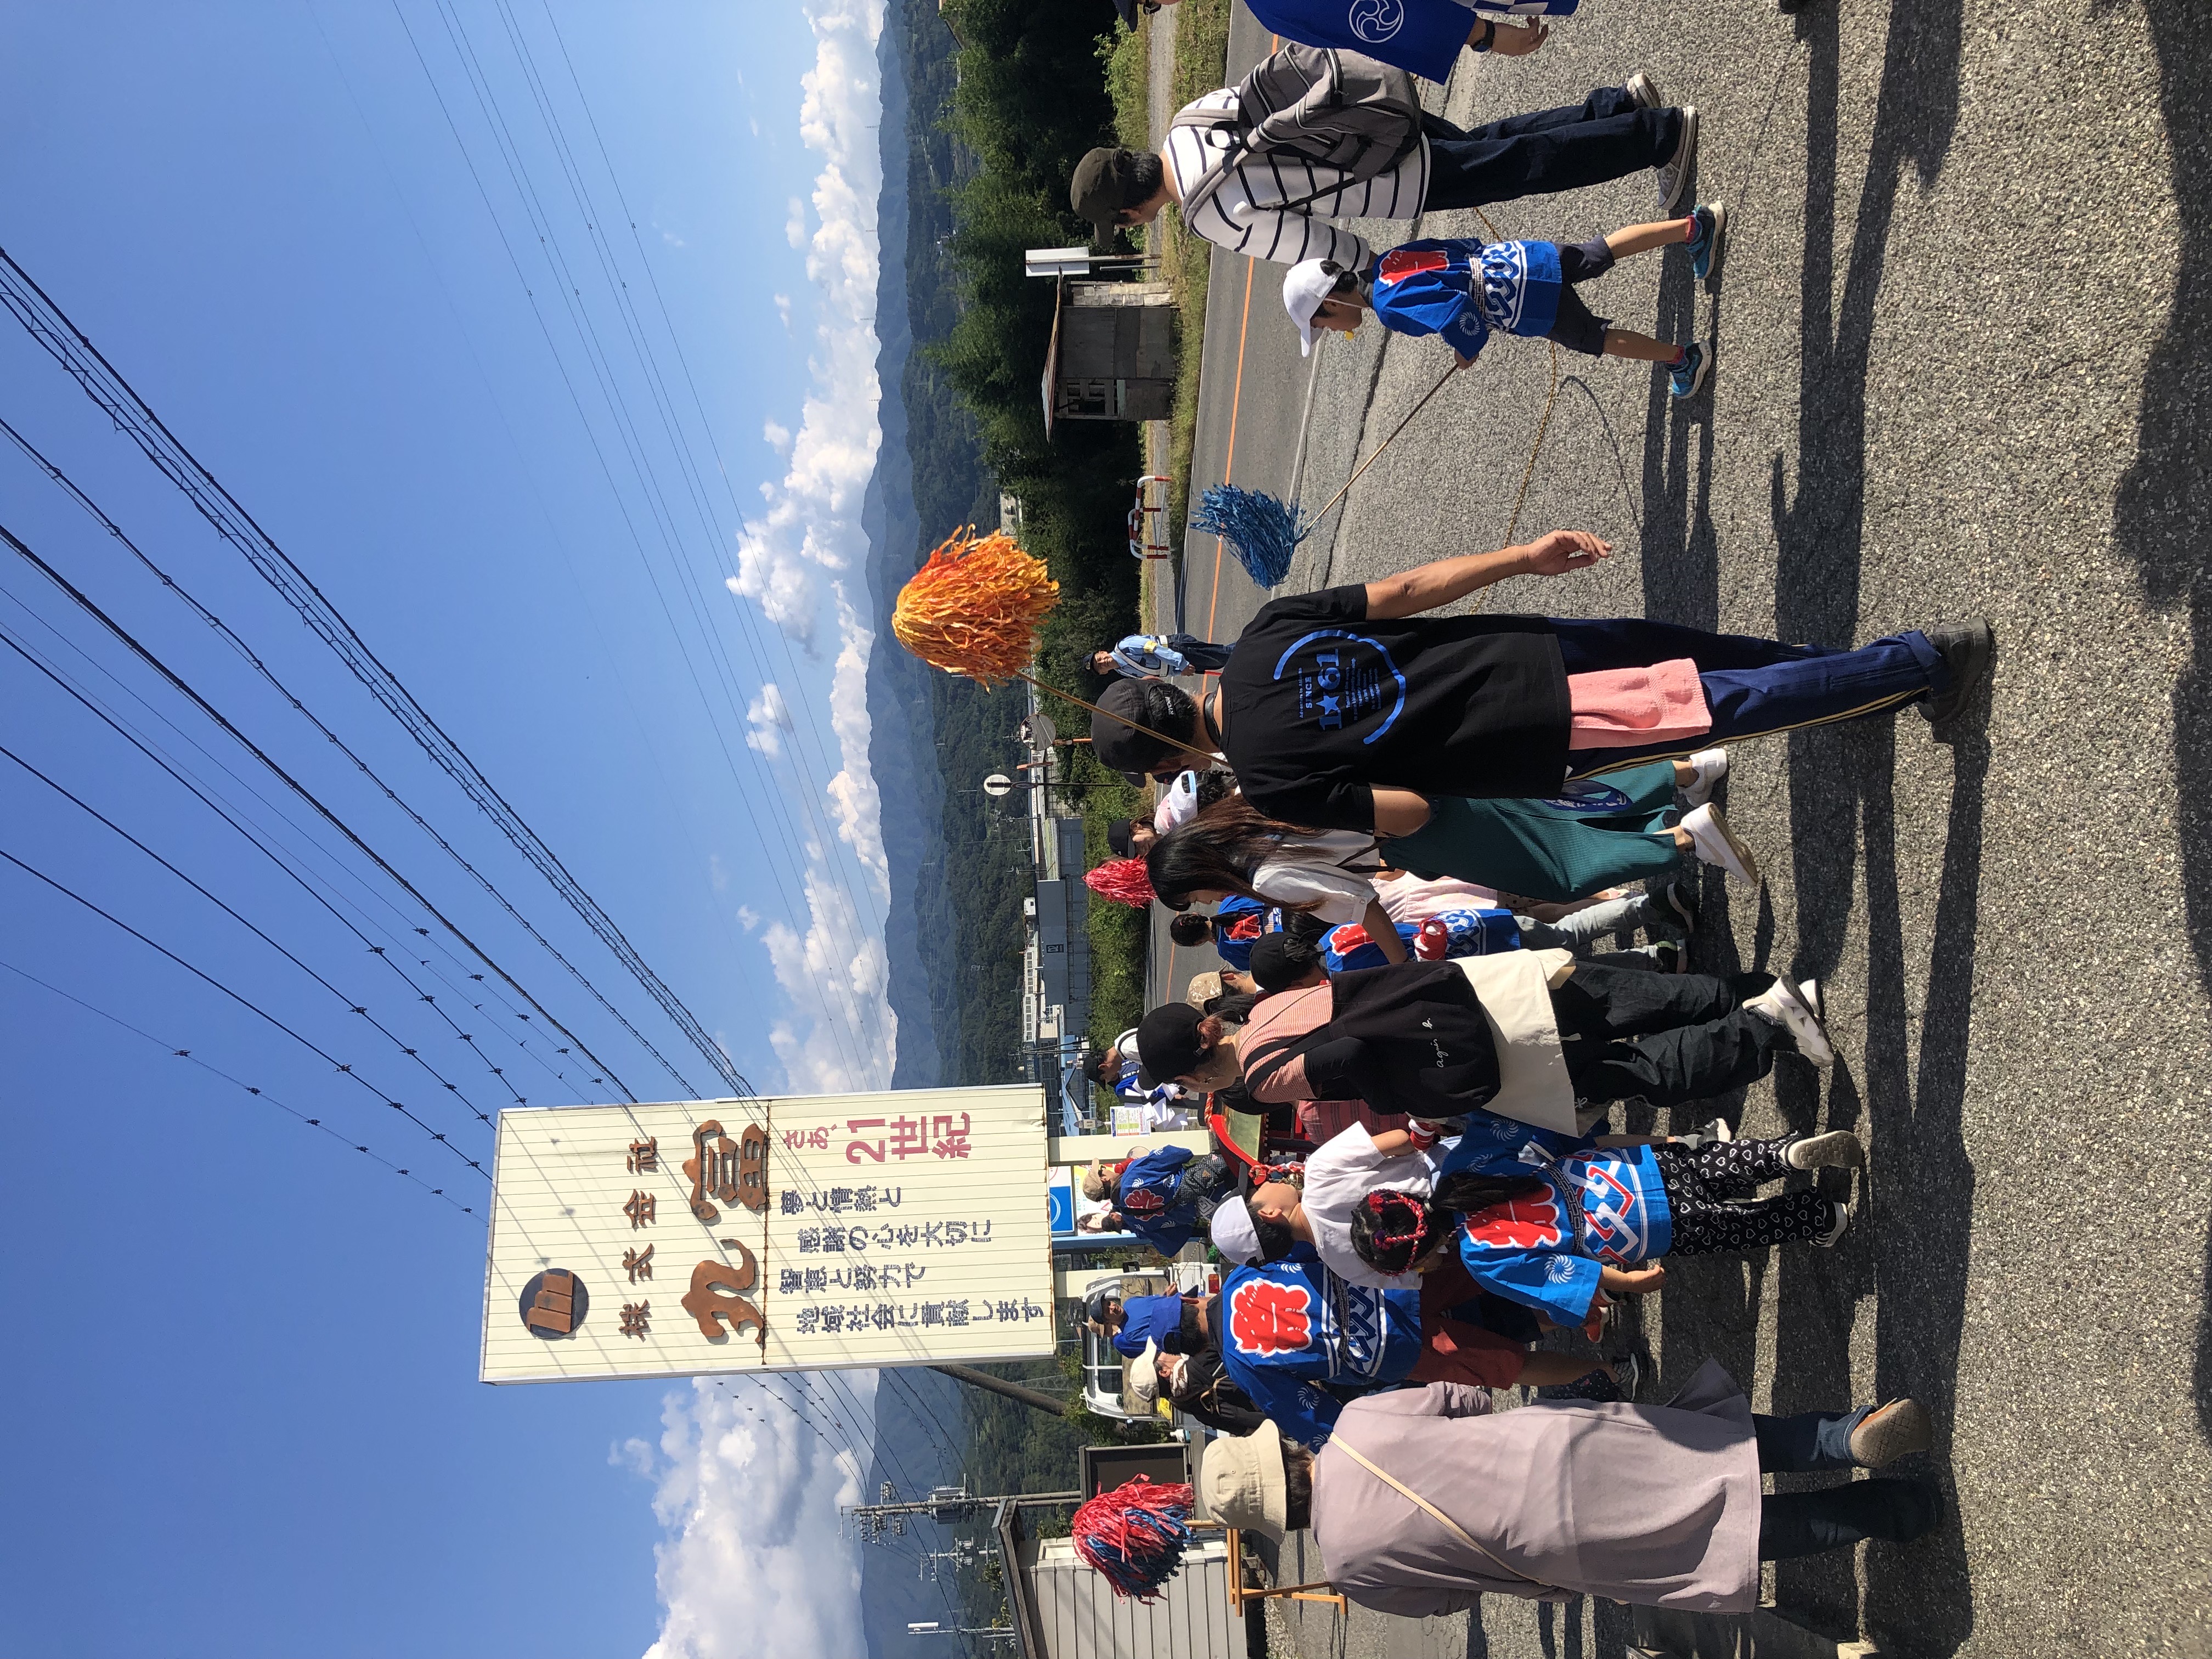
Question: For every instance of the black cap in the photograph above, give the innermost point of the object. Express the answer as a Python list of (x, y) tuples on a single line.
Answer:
[(1273, 967), (1117, 837), (1116, 744), (1167, 1042), (1128, 11), (1096, 190)]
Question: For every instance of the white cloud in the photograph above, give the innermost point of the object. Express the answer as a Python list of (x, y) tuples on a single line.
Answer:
[(718, 877), (794, 223), (783, 307), (853, 800), (749, 1494), (769, 718), (838, 1034), (777, 436), (748, 918), (811, 528)]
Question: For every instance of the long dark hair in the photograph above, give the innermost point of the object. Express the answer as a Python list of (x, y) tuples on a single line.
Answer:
[(1217, 851), (1392, 1231)]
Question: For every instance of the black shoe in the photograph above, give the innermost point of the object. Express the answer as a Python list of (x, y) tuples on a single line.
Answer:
[(1683, 909), (1965, 651)]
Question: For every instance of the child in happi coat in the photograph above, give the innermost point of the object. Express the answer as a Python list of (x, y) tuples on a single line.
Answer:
[(1461, 289), (1563, 1233)]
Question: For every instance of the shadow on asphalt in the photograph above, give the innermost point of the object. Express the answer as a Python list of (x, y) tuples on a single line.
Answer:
[(1919, 1598), (2163, 509)]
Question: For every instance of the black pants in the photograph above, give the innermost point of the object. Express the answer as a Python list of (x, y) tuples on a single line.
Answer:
[(1707, 1191), (1668, 1038), (1604, 137)]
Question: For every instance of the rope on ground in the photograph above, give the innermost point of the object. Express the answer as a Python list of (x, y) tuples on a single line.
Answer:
[(1543, 424)]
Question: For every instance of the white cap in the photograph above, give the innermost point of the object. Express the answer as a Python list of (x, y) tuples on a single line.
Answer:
[(1144, 1374), (1233, 1233), (1309, 282)]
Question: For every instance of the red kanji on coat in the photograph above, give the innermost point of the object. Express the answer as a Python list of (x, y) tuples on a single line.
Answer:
[(1268, 1317), (1519, 1223)]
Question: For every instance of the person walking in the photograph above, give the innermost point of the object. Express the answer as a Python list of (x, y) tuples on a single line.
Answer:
[(1422, 37), (1461, 290), (1528, 1035), (1348, 708), (1139, 655), (1608, 833), (1267, 188), (1423, 1500)]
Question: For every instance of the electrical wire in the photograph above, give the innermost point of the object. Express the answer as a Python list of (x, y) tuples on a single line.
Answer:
[(116, 628), (376, 1024), (245, 1002), (74, 350), (217, 1071), (267, 842)]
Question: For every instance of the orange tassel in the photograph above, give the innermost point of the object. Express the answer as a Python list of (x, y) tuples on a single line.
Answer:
[(974, 606)]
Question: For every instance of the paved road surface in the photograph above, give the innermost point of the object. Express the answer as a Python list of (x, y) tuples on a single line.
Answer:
[(1960, 367), (1253, 389)]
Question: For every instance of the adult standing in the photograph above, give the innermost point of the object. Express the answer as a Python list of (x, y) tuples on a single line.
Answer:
[(1423, 1500), (1348, 707), (1422, 37), (1527, 1035), (1276, 203)]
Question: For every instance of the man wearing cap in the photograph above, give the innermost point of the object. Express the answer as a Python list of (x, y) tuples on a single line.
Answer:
[(1276, 205), (1423, 1499), (1347, 708)]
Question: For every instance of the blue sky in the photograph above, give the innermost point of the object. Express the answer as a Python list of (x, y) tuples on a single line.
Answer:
[(394, 304)]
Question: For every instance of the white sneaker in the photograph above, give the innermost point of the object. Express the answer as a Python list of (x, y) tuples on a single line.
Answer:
[(1837, 1150), (1788, 1006), (1709, 835), (1646, 91), (1674, 174), (1838, 1224), (1709, 767)]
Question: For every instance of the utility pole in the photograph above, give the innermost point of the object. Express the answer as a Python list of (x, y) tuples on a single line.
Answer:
[(945, 1505)]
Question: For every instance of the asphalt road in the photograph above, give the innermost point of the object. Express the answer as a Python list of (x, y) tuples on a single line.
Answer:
[(1960, 368)]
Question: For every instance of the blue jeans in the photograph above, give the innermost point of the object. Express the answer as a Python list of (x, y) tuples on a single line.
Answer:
[(1584, 928), (1754, 687), (1794, 1524)]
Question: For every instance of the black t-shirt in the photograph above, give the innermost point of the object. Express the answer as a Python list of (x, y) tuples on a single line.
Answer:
[(1321, 705)]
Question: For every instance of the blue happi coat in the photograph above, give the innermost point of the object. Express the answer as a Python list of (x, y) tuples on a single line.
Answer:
[(1297, 1339), (1531, 1250), (1460, 288)]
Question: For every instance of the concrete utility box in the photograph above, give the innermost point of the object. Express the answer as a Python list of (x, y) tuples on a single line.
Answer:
[(1112, 357)]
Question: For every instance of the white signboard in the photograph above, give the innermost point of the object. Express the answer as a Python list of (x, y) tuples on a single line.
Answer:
[(907, 1227)]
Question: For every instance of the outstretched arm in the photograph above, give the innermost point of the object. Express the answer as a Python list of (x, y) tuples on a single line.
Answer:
[(1426, 586)]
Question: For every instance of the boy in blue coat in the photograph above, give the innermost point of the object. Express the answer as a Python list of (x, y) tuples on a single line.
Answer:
[(1462, 289)]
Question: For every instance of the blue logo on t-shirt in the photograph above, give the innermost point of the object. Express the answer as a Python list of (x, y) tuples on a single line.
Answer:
[(1377, 20), (1341, 680)]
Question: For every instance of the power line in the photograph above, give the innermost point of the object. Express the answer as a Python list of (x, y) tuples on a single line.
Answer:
[(265, 843), (843, 1026), (217, 1071), (74, 350), (85, 603), (377, 1025), (251, 1006)]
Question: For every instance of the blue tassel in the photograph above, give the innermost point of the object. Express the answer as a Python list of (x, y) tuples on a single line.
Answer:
[(1264, 531)]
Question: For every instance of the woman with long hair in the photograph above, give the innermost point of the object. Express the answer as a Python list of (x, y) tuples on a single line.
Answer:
[(1599, 835), (1229, 851)]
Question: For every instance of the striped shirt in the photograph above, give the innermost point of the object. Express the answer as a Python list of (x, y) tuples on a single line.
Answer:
[(1247, 214)]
